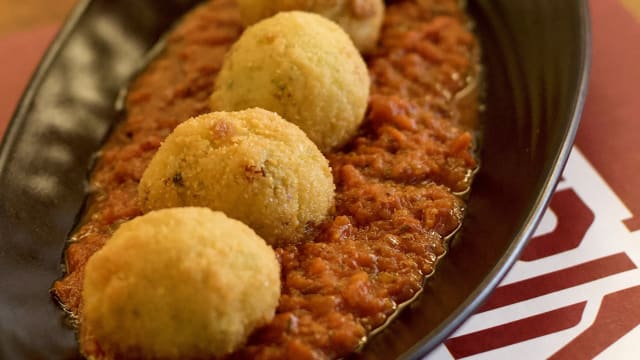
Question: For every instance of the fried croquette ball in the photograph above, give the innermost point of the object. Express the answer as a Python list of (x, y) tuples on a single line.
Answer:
[(302, 66), (178, 283), (361, 19), (252, 165)]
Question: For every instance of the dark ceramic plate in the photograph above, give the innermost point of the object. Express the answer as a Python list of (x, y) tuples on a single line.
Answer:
[(536, 54)]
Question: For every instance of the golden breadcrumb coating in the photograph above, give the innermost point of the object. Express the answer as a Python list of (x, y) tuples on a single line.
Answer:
[(252, 165), (178, 283), (305, 68), (361, 19)]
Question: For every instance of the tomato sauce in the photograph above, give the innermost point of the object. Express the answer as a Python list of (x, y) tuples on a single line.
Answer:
[(398, 183)]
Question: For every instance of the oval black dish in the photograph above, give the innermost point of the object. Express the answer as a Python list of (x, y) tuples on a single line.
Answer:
[(536, 57)]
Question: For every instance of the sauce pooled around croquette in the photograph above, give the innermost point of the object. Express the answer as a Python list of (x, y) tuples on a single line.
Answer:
[(398, 182)]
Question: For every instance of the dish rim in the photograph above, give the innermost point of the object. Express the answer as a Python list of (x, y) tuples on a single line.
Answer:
[(539, 206)]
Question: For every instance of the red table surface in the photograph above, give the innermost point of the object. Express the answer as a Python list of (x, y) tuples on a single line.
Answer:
[(589, 240)]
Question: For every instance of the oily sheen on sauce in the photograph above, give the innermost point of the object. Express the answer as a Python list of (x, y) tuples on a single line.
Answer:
[(398, 183)]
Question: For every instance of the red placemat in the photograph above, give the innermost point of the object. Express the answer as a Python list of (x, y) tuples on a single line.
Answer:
[(19, 56), (575, 293)]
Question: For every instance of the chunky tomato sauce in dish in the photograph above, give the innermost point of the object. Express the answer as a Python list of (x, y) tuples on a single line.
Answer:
[(400, 183)]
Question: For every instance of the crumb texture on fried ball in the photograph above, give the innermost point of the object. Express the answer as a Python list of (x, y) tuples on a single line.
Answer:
[(252, 165), (361, 19), (178, 283), (302, 66)]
